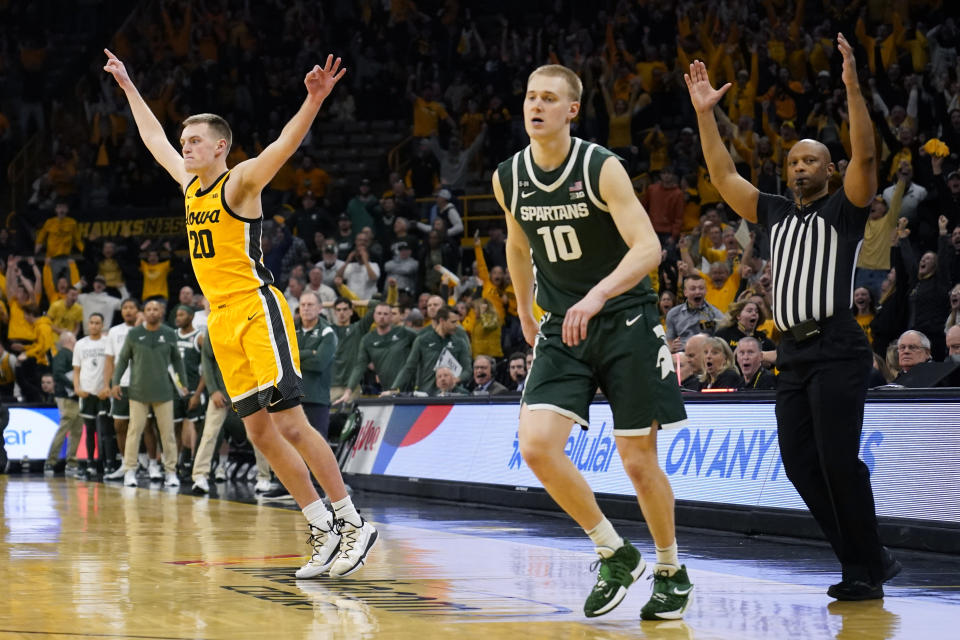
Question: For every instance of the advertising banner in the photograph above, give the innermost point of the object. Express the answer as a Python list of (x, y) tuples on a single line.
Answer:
[(726, 453), (30, 432)]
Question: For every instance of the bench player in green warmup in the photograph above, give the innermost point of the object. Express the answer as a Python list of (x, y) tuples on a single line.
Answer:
[(570, 205)]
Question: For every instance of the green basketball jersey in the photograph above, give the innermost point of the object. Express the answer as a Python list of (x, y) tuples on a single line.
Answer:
[(574, 241), (190, 353)]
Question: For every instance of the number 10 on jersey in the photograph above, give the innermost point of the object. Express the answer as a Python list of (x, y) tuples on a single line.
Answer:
[(560, 242)]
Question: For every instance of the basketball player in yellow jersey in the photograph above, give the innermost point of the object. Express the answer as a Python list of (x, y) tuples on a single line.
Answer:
[(250, 325)]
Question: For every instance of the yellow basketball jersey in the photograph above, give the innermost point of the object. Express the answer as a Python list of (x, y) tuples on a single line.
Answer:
[(224, 248)]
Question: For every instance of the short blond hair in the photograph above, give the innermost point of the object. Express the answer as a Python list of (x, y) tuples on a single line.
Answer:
[(723, 346), (574, 84), (219, 126)]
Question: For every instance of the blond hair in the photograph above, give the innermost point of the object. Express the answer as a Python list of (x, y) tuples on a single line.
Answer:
[(730, 361), (219, 126), (574, 85)]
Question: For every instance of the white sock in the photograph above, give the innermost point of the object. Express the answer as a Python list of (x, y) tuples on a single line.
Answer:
[(317, 514), (605, 538), (344, 510), (667, 559)]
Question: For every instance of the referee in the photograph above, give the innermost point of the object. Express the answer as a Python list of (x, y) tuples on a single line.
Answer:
[(824, 358)]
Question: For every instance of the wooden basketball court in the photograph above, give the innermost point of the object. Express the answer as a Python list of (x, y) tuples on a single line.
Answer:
[(88, 560)]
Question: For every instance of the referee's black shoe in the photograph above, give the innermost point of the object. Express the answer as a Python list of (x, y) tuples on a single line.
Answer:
[(855, 590), (891, 566), (863, 590)]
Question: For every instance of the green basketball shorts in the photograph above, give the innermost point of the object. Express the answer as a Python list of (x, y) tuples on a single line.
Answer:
[(625, 355)]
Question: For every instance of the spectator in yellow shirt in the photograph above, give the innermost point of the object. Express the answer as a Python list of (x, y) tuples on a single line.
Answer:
[(723, 281), (471, 122), (742, 96), (283, 182), (723, 284), (63, 286), (655, 143), (885, 37), (427, 112), (865, 310), (109, 268), (155, 272), (494, 282), (310, 178), (66, 314), (34, 355), (21, 293), (59, 234), (484, 325), (873, 263), (711, 246), (40, 348)]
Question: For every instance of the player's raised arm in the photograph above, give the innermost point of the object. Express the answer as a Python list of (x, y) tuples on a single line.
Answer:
[(741, 195), (254, 174), (151, 131), (520, 267), (860, 180)]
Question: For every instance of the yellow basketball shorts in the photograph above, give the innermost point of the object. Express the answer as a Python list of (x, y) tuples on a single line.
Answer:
[(255, 344)]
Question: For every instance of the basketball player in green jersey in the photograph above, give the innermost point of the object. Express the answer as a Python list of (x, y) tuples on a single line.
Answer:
[(570, 205), (187, 411)]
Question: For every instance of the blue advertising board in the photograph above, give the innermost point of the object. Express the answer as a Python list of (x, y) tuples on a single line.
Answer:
[(727, 453)]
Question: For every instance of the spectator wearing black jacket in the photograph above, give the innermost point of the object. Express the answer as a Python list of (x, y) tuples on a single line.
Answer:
[(719, 368), (928, 301), (424, 172), (948, 191), (750, 360), (948, 250), (310, 218)]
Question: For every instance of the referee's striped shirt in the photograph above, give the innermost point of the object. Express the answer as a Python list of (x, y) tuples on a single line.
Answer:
[(813, 253)]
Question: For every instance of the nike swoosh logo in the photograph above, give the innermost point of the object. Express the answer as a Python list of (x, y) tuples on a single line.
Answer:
[(683, 592), (252, 317), (631, 321), (526, 194)]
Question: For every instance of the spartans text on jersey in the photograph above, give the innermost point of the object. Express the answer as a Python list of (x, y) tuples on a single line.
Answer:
[(554, 212)]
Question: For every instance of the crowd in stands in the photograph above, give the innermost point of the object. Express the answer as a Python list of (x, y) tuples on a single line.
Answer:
[(415, 302)]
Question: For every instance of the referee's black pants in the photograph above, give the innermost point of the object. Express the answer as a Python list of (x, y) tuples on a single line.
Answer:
[(821, 391)]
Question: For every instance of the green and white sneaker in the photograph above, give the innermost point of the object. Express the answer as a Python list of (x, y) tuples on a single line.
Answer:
[(671, 597), (616, 573)]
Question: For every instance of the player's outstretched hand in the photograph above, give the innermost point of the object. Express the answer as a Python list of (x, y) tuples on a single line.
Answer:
[(702, 95), (849, 74), (115, 68), (320, 81)]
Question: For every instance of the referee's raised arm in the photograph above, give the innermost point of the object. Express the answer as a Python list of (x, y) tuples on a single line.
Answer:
[(737, 192), (860, 181)]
